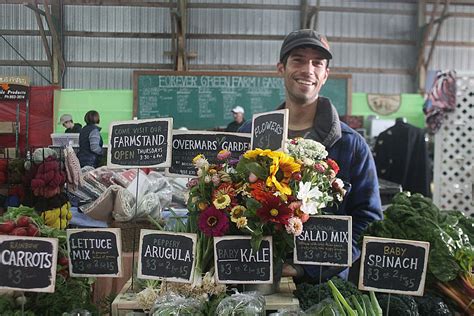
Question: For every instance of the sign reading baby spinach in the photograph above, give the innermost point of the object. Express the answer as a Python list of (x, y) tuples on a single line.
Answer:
[(393, 266), (166, 255), (270, 130), (189, 144), (140, 143), (236, 262), (95, 252), (325, 240), (28, 263)]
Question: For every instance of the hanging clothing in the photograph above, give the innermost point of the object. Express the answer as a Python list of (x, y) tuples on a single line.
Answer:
[(440, 99), (401, 156)]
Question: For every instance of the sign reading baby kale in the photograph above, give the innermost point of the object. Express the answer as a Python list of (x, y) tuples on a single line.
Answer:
[(189, 144), (14, 88), (393, 265), (325, 240), (166, 255), (236, 262), (270, 130), (28, 263), (95, 252), (140, 143)]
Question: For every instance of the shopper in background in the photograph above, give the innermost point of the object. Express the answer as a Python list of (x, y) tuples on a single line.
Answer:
[(90, 141), (67, 122), (239, 119), (304, 66)]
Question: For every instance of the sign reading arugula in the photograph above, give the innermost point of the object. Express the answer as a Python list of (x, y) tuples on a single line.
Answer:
[(325, 240), (188, 144), (393, 265), (28, 263), (167, 255), (14, 88), (95, 252), (140, 143), (236, 262), (270, 130)]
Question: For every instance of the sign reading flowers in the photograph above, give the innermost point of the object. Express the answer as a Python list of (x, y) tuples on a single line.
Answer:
[(265, 193)]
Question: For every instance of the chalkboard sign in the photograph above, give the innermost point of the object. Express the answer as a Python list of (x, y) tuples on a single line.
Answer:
[(188, 144), (393, 265), (28, 263), (270, 130), (236, 262), (95, 252), (167, 255), (140, 143), (204, 100), (325, 240)]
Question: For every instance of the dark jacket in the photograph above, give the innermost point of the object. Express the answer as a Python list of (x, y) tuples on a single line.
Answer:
[(401, 156), (234, 126), (75, 129), (357, 169), (86, 155)]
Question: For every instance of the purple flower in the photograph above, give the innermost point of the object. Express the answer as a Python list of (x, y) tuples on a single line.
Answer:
[(213, 222)]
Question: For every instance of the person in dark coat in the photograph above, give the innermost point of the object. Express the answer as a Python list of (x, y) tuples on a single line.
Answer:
[(304, 66), (90, 141), (67, 122), (239, 120)]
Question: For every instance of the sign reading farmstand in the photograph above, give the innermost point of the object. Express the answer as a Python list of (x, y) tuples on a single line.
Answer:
[(393, 265), (140, 143), (28, 263)]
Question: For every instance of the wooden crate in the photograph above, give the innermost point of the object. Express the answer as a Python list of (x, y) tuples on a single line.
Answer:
[(125, 302)]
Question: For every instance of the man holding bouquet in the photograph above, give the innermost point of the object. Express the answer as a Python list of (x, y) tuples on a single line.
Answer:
[(304, 66)]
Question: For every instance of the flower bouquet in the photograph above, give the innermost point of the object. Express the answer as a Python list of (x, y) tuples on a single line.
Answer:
[(264, 193)]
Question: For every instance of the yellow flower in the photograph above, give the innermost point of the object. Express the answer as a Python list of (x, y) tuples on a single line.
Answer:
[(222, 201), (237, 212), (202, 206), (282, 168), (198, 157), (251, 154), (241, 222)]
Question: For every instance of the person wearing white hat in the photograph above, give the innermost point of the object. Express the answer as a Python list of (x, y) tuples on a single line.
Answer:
[(239, 119), (71, 127)]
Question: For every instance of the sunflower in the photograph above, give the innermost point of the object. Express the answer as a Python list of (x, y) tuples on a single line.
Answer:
[(274, 210), (281, 169), (252, 154)]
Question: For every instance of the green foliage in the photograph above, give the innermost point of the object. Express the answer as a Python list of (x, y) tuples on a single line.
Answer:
[(432, 305), (450, 234), (399, 305)]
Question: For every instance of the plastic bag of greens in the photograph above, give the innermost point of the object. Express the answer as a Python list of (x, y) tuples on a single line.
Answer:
[(176, 305), (242, 304)]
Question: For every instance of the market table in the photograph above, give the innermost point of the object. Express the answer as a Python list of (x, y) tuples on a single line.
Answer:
[(125, 302)]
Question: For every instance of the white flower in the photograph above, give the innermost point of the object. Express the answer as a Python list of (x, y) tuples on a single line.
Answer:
[(306, 148), (309, 198), (294, 226), (308, 162), (202, 163)]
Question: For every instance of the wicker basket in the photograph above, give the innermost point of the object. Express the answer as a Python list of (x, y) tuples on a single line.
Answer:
[(130, 232)]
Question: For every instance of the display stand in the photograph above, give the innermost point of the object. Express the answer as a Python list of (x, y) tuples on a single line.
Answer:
[(126, 302), (454, 154)]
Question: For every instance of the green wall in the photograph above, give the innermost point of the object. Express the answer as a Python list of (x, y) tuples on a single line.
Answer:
[(117, 105), (112, 105), (411, 108)]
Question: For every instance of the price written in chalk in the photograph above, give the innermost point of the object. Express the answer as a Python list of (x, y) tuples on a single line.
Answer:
[(237, 262), (393, 265)]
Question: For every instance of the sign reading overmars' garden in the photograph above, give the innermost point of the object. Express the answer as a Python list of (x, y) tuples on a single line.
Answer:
[(393, 266), (140, 143), (189, 144), (28, 263), (236, 262), (166, 255), (325, 240), (95, 252), (270, 130)]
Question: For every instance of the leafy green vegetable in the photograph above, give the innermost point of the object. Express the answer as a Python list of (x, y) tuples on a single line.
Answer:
[(399, 305), (432, 305)]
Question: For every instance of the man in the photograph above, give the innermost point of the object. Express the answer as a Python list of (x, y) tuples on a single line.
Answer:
[(239, 120), (304, 66), (71, 127)]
